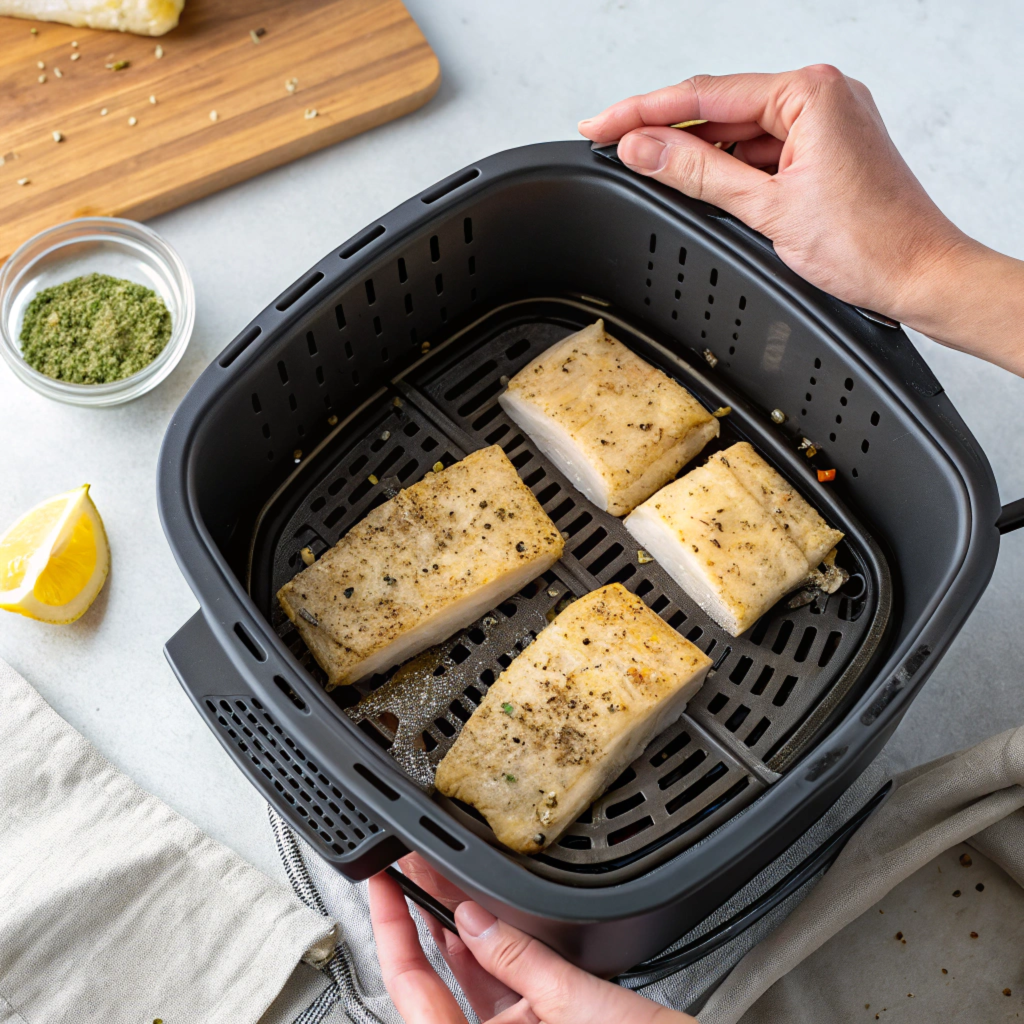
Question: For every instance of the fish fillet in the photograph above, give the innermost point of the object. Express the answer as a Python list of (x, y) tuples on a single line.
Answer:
[(616, 426), (810, 532), (734, 535), (561, 723), (421, 566), (141, 17)]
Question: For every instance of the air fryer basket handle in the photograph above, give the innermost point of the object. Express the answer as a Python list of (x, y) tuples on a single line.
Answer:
[(1012, 517), (208, 676)]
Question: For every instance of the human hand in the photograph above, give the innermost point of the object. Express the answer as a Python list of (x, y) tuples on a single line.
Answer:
[(507, 976), (815, 171)]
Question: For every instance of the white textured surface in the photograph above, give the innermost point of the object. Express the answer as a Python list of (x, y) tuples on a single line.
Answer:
[(945, 76)]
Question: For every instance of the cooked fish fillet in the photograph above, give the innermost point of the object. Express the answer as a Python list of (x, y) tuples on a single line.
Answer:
[(421, 566), (142, 17), (569, 714), (733, 535), (811, 533), (613, 424)]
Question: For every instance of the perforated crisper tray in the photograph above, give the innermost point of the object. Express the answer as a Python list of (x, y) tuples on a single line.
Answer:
[(769, 690)]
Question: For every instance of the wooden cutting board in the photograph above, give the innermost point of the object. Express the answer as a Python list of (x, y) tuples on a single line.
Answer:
[(358, 63)]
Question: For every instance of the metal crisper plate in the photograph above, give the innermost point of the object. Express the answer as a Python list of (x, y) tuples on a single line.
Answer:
[(768, 692)]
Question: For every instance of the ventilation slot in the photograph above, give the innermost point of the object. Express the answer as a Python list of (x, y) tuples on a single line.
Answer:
[(622, 834), (285, 688), (436, 830), (249, 643), (784, 691), (717, 703), (297, 290), (443, 188), (379, 784), (757, 732), (737, 718), (361, 241), (435, 249), (763, 679), (785, 632), (467, 230), (739, 673), (239, 345), (806, 642), (832, 643), (692, 763)]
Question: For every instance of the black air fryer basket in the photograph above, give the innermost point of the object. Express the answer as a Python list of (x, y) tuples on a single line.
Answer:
[(388, 357)]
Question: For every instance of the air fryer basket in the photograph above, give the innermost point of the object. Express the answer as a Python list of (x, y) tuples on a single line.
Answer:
[(387, 358), (767, 690)]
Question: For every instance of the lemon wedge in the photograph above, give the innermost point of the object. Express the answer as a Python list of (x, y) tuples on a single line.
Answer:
[(54, 559)]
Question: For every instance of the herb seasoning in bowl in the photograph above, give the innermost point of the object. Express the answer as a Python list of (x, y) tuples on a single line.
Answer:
[(95, 311)]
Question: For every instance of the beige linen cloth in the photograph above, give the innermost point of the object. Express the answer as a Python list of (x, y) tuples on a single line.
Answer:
[(113, 908), (828, 963)]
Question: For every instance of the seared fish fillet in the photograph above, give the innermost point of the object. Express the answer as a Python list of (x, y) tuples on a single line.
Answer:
[(421, 566), (734, 535), (142, 17), (613, 424), (560, 724)]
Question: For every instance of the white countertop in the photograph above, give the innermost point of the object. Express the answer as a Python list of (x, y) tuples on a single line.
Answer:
[(946, 78)]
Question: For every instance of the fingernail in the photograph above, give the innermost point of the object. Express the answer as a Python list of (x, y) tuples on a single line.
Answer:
[(473, 920), (586, 121), (642, 152)]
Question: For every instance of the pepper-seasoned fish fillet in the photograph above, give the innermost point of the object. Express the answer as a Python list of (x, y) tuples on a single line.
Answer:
[(421, 566), (734, 535), (812, 534), (616, 426), (560, 724)]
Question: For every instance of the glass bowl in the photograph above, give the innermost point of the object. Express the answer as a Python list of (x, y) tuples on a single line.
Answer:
[(105, 245)]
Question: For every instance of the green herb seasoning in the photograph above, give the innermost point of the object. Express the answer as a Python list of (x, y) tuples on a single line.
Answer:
[(94, 329)]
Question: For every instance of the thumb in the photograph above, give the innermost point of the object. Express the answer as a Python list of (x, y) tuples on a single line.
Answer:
[(556, 991), (700, 170)]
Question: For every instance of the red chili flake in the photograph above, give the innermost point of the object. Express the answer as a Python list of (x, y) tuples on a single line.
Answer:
[(974, 935), (899, 935), (965, 860), (1007, 992), (825, 475)]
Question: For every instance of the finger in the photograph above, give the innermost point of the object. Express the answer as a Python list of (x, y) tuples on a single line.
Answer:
[(762, 152), (419, 995), (486, 994), (772, 101), (698, 169), (557, 992)]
